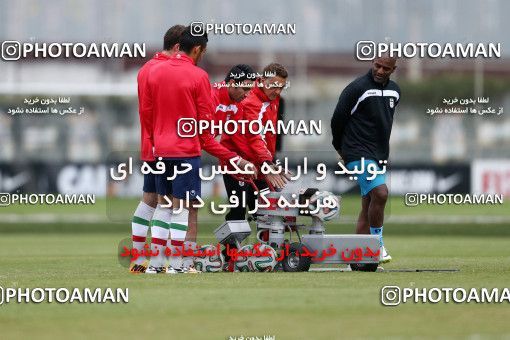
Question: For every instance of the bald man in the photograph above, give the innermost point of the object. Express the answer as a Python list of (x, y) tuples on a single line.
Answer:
[(361, 127)]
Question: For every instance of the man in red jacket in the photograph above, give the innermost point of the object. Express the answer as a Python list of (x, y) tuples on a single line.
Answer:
[(179, 95), (260, 105), (226, 97), (146, 208)]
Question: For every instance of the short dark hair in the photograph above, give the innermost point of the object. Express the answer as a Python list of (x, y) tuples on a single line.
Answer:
[(240, 69), (172, 36), (189, 41), (277, 69)]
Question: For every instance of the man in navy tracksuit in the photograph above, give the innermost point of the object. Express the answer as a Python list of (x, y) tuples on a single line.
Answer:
[(361, 127)]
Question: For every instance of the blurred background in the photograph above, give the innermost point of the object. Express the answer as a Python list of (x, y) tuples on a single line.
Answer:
[(439, 153)]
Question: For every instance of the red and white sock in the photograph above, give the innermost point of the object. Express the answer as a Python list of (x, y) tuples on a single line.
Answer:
[(160, 225), (139, 227), (178, 230)]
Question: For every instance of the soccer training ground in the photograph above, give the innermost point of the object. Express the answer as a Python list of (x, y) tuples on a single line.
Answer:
[(78, 247)]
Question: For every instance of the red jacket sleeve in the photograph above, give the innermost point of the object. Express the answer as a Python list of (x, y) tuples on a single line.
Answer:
[(205, 111), (258, 146), (146, 106)]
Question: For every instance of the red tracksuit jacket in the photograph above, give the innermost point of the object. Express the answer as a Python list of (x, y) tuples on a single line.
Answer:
[(146, 117), (224, 107), (254, 147), (179, 89)]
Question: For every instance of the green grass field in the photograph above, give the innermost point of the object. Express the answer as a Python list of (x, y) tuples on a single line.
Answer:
[(313, 305)]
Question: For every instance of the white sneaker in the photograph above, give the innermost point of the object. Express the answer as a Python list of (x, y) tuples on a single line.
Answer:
[(172, 270), (155, 270), (190, 270), (384, 257), (186, 262)]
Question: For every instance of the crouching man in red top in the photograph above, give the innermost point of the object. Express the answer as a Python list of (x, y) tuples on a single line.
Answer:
[(261, 105)]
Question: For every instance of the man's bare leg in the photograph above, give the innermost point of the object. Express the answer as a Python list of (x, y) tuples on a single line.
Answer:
[(363, 227), (378, 199), (150, 198)]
